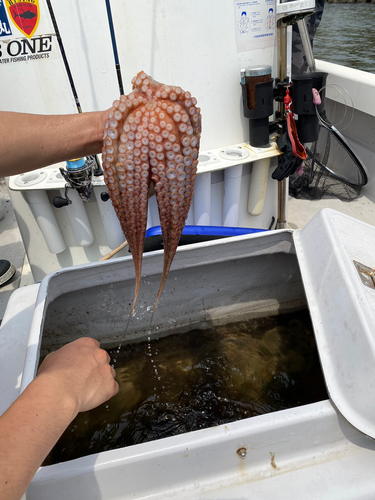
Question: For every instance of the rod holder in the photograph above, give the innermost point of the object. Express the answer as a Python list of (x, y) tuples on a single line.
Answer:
[(304, 107), (257, 95)]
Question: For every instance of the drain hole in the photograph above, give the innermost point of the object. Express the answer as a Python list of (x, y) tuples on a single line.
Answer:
[(203, 158)]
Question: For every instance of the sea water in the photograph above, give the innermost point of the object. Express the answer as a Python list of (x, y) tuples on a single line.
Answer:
[(346, 35), (203, 378)]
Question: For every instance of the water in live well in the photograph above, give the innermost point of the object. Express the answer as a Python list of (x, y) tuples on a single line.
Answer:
[(200, 379)]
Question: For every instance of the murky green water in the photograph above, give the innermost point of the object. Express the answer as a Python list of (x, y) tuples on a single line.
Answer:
[(200, 379), (346, 35)]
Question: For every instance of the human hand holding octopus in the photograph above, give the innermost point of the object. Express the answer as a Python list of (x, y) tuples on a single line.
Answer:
[(152, 136)]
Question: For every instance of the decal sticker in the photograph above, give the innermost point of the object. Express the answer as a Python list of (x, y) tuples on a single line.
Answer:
[(24, 50), (24, 15), (4, 23)]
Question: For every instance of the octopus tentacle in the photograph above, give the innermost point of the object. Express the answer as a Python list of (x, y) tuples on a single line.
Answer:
[(152, 135)]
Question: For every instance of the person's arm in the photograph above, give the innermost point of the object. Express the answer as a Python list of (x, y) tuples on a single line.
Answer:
[(77, 377), (30, 141)]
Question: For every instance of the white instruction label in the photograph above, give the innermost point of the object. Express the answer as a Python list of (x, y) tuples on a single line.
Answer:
[(255, 24)]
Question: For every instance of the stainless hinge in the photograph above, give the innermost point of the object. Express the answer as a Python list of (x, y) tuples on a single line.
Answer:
[(367, 274)]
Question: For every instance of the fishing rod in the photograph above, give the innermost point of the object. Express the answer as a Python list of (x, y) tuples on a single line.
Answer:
[(114, 46), (62, 50), (79, 179)]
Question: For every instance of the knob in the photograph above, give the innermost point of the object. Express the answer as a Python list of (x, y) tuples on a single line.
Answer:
[(104, 196), (59, 202)]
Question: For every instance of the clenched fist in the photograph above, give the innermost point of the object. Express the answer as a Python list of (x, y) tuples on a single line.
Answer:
[(82, 370)]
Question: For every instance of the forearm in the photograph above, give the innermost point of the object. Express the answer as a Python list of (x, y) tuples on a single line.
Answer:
[(31, 141), (76, 378), (28, 431)]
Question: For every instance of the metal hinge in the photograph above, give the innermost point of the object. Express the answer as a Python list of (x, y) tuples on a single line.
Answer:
[(367, 274)]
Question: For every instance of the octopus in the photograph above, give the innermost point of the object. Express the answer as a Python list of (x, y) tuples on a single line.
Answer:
[(151, 143)]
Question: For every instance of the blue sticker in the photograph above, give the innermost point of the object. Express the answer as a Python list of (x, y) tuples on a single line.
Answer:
[(4, 23)]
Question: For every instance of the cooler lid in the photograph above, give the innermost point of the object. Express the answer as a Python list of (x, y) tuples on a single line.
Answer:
[(336, 254)]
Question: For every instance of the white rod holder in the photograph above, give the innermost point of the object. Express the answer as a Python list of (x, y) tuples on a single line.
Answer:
[(45, 218), (111, 224), (232, 191), (78, 219), (258, 186), (153, 218), (202, 200)]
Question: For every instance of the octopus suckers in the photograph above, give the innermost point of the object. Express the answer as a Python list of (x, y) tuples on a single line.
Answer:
[(152, 136)]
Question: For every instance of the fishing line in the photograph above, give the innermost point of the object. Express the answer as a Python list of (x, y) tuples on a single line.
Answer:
[(342, 91), (332, 153), (114, 46)]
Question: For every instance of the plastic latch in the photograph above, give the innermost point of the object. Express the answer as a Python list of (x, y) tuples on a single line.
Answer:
[(367, 274)]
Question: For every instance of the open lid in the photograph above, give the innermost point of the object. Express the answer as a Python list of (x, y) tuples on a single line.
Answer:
[(341, 298)]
